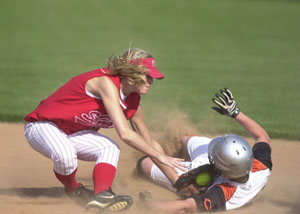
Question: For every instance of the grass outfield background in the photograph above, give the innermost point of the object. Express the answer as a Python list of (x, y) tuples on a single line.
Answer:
[(249, 46)]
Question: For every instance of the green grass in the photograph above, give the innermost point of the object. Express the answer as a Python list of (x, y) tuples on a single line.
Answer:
[(252, 47)]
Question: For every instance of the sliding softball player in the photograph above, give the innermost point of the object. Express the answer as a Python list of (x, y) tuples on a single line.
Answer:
[(238, 172)]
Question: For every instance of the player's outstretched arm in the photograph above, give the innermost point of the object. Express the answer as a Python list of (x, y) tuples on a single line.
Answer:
[(177, 206), (227, 106), (253, 128), (139, 126), (187, 205), (105, 88)]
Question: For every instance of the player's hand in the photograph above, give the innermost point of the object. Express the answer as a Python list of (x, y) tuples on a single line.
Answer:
[(226, 103), (172, 162), (177, 163), (189, 190)]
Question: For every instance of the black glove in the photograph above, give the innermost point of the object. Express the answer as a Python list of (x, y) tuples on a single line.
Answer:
[(190, 176), (226, 103)]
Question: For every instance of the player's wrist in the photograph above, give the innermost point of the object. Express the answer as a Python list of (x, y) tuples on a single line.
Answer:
[(235, 112)]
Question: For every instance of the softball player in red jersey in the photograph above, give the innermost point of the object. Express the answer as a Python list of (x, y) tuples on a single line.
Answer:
[(64, 127)]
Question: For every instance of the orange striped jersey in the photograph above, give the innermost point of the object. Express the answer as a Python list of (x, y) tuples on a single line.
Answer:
[(226, 194)]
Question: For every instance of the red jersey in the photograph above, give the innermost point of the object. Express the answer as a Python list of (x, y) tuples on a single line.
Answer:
[(73, 110)]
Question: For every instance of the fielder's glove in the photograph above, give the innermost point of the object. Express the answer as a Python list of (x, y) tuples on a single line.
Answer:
[(186, 182), (226, 103)]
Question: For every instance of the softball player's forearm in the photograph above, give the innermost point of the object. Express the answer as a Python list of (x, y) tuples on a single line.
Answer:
[(137, 142), (178, 206), (168, 171), (253, 128), (158, 147)]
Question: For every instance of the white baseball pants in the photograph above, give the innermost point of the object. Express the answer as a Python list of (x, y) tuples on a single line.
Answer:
[(197, 149), (64, 150)]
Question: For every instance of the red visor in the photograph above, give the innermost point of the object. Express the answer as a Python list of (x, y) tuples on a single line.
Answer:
[(150, 64)]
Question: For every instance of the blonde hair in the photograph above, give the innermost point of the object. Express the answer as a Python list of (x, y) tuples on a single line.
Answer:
[(121, 66)]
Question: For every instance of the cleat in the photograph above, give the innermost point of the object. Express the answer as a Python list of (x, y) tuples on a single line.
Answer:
[(109, 201), (81, 195)]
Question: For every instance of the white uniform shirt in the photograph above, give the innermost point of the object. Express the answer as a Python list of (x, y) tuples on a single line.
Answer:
[(239, 194)]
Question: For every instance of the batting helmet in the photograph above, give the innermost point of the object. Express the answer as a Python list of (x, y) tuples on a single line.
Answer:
[(231, 154)]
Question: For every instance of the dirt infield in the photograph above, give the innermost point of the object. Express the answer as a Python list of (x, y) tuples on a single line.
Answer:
[(28, 185)]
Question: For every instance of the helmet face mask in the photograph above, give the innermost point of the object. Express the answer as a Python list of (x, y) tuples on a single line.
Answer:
[(232, 155)]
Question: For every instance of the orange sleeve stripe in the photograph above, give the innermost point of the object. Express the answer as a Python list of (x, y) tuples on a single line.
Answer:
[(228, 190), (207, 204), (257, 166)]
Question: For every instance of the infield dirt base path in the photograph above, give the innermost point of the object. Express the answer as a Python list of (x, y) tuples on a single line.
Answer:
[(28, 185)]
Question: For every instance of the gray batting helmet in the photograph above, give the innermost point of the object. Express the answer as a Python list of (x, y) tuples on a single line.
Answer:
[(231, 154)]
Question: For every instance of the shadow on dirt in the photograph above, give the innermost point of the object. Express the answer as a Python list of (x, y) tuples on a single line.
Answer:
[(293, 206), (53, 192)]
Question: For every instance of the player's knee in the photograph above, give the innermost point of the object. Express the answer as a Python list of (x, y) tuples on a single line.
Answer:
[(185, 140), (108, 155), (65, 165), (70, 167), (144, 166)]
